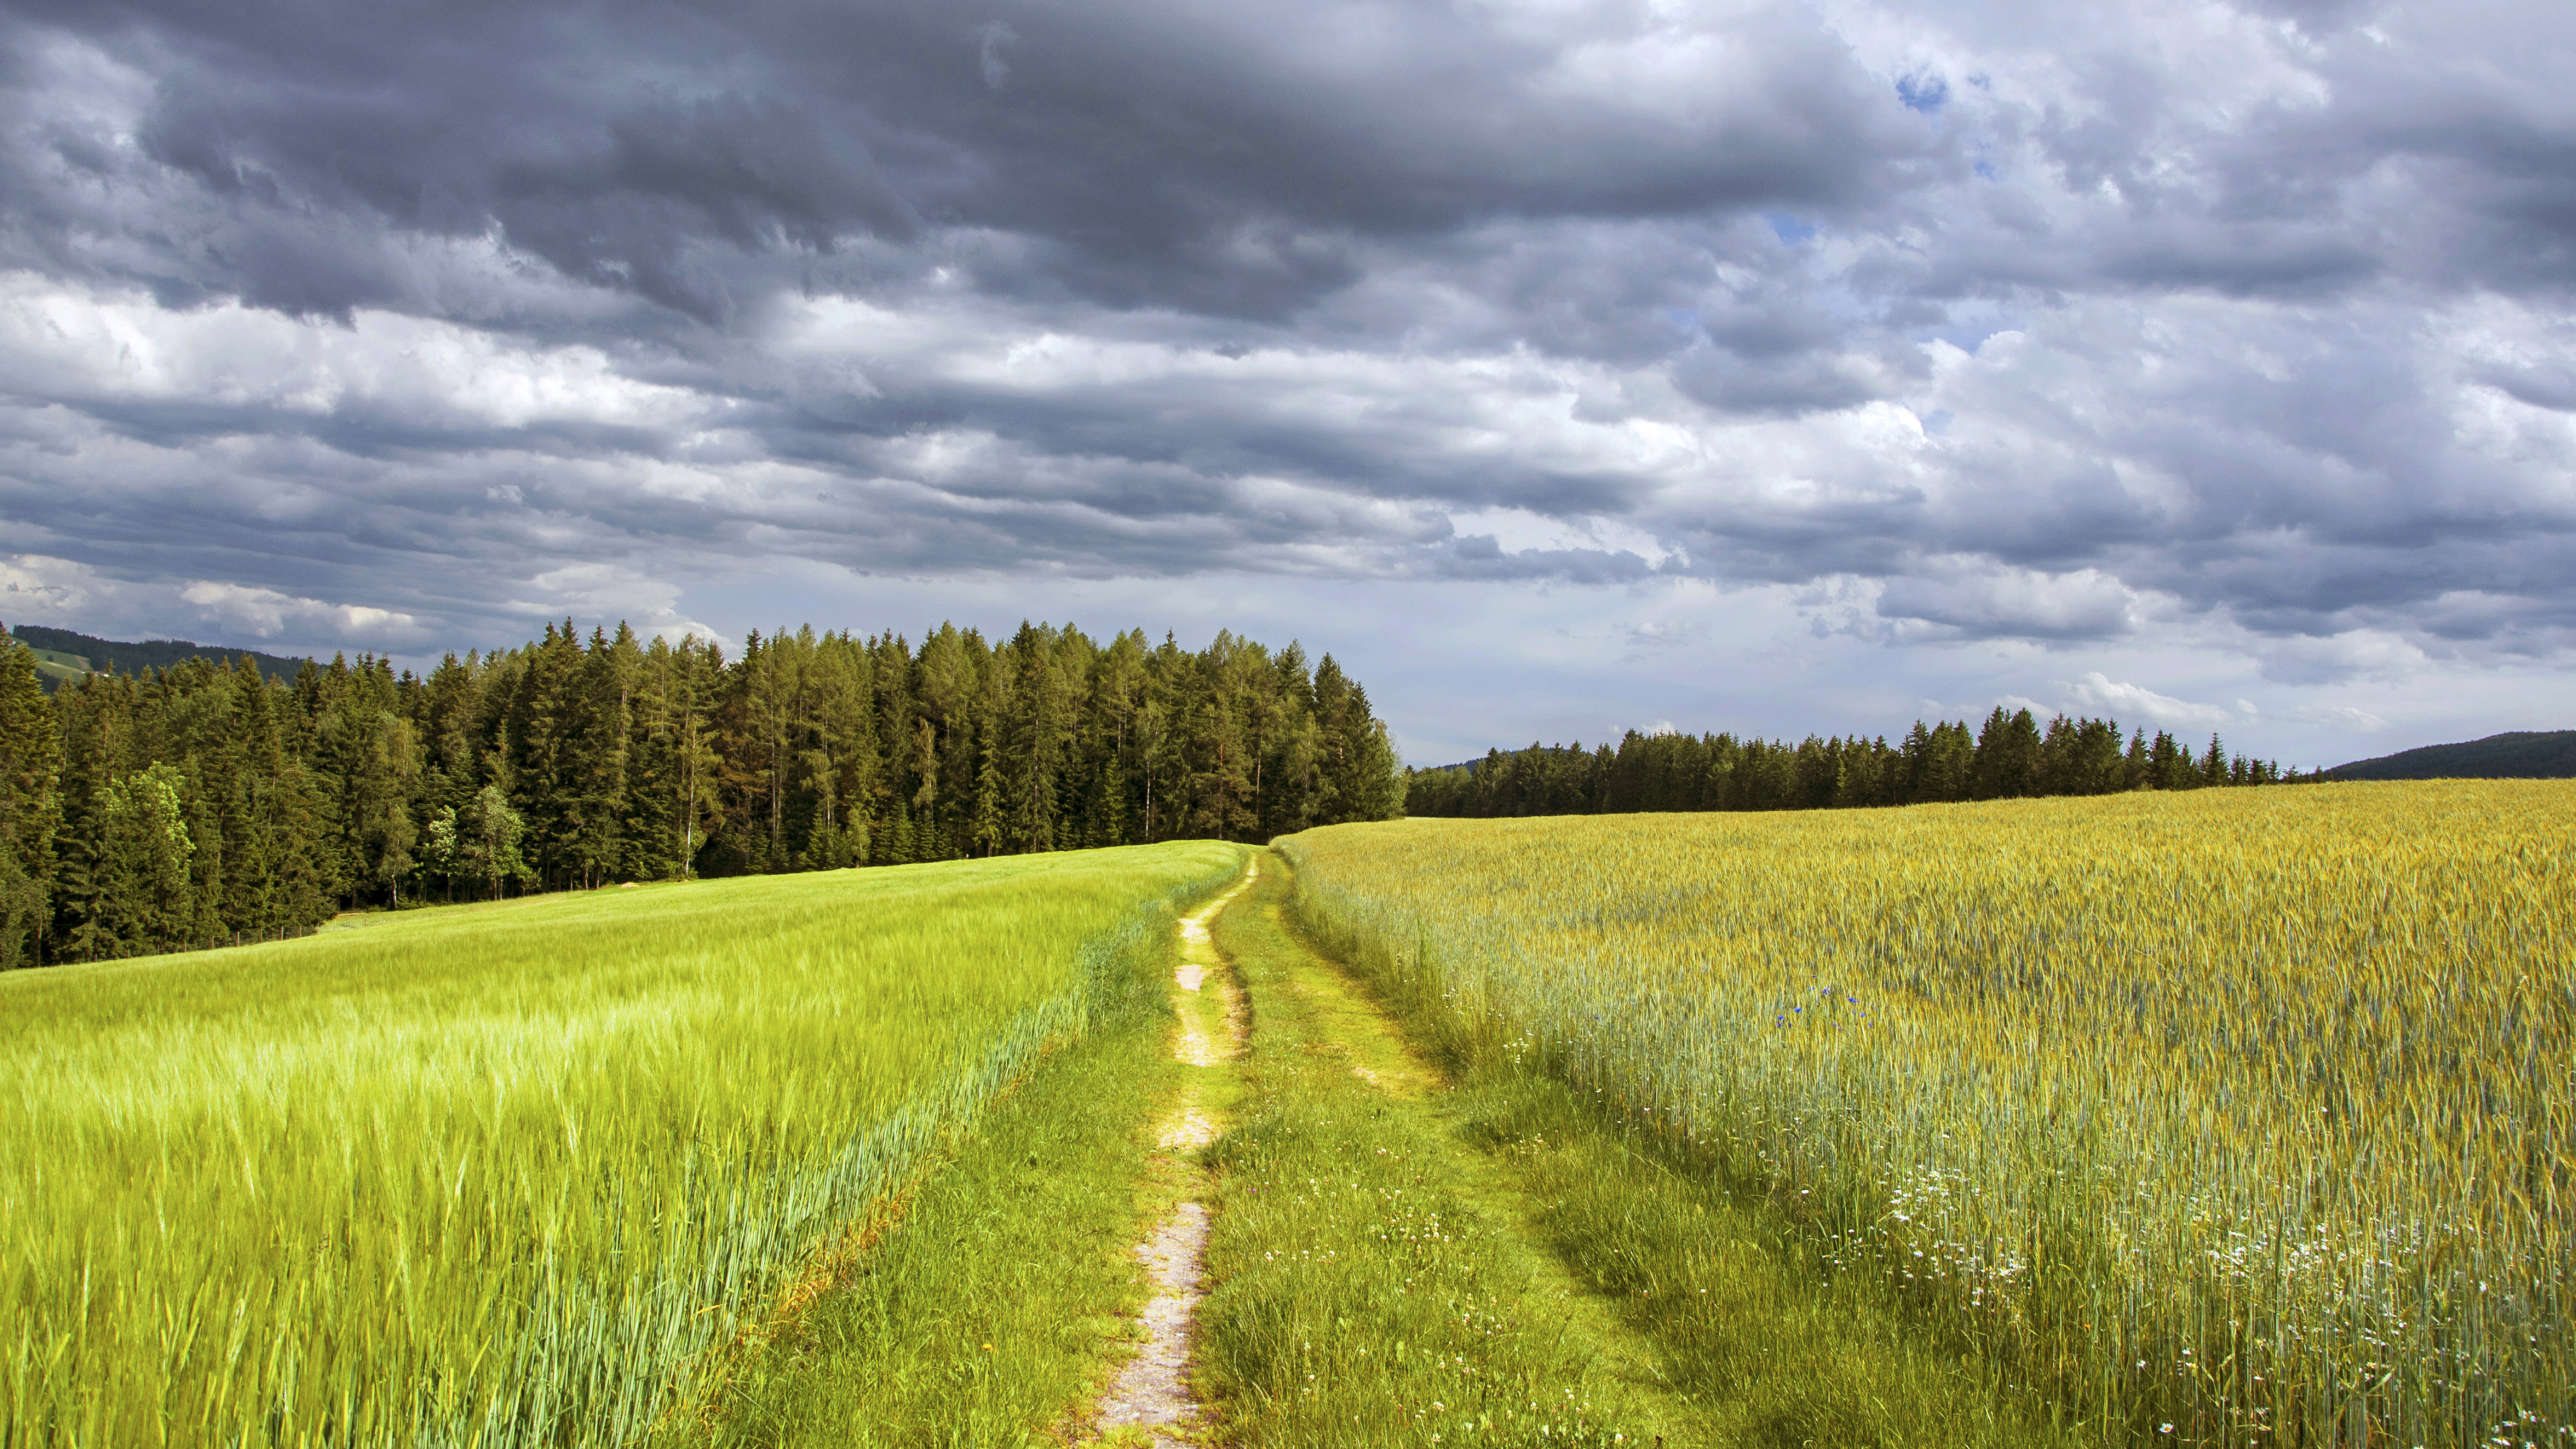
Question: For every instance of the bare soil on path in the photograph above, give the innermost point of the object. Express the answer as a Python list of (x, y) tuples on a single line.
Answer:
[(1150, 1400)]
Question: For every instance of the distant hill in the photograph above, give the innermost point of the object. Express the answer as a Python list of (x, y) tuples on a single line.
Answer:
[(63, 656), (2520, 755)]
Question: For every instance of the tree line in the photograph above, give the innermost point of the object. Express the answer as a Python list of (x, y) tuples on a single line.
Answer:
[(202, 804), (2011, 756)]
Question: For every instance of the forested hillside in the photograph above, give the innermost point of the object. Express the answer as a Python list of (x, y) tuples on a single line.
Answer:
[(2516, 755), (199, 803), (2010, 757), (109, 656)]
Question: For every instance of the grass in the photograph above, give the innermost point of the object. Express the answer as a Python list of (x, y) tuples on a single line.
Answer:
[(2237, 1117), (981, 1316), (1761, 1334), (58, 668), (515, 1175), (1416, 1245), (1372, 1289)]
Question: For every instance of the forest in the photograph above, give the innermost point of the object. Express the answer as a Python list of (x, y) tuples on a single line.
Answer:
[(204, 804), (2010, 757)]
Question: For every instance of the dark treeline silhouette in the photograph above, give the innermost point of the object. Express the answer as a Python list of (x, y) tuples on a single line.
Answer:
[(2010, 757), (2514, 755), (201, 804)]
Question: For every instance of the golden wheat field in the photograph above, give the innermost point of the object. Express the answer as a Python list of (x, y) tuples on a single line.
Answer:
[(2237, 1116)]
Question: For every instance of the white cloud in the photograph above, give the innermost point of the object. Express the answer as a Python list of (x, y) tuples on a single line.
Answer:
[(1520, 530), (2097, 693), (268, 614), (97, 348), (35, 589), (595, 592), (2352, 654), (63, 593), (1976, 598), (2340, 717)]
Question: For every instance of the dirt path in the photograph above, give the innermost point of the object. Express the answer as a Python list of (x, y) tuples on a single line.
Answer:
[(1152, 1393), (1356, 1289), (1315, 1015)]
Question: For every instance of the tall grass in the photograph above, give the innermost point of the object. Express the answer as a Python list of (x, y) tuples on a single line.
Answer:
[(505, 1175), (2237, 1117)]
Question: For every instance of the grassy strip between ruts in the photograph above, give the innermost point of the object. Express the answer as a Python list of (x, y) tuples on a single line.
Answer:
[(978, 1318), (1374, 1283), (1501, 1262)]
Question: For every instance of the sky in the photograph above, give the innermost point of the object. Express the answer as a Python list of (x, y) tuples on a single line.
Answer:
[(1560, 367)]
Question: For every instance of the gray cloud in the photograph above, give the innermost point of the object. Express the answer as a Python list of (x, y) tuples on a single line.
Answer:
[(1974, 324)]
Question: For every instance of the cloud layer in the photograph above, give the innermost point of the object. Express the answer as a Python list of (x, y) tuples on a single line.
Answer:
[(1952, 324)]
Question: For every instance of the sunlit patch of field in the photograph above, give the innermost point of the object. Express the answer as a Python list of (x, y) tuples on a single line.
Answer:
[(2228, 1117), (507, 1175)]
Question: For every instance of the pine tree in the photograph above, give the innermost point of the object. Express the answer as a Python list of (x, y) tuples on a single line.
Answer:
[(836, 755), (2007, 757), (603, 693), (371, 759), (1029, 694), (30, 761), (898, 848), (278, 880), (542, 734), (93, 713), (696, 692), (1361, 780), (985, 831)]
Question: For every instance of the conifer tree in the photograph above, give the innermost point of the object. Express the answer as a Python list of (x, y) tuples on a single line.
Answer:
[(90, 711), (2007, 756), (601, 704), (30, 757)]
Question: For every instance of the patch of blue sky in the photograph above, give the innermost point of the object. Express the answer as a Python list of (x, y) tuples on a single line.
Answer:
[(1788, 229), (1925, 91)]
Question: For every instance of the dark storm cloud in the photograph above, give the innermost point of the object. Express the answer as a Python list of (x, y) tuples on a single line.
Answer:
[(1216, 156), (2034, 323)]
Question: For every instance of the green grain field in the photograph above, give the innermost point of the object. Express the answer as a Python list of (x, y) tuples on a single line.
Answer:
[(2235, 1117), (507, 1175)]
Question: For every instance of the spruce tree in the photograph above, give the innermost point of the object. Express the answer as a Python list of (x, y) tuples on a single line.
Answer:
[(30, 756)]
